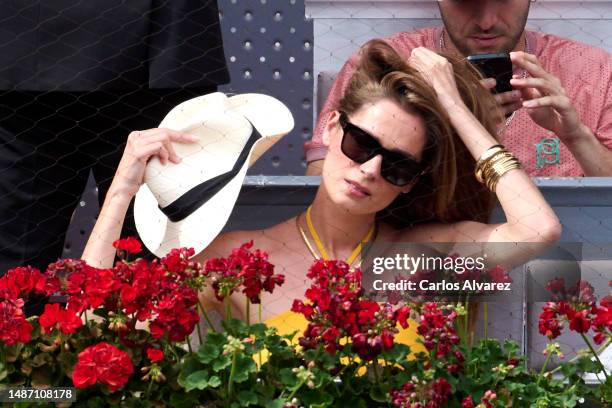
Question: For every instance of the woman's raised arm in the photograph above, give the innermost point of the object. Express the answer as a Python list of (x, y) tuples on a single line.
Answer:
[(140, 148), (529, 218)]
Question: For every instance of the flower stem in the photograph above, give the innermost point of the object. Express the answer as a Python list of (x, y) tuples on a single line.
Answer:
[(548, 356), (230, 382), (208, 321), (603, 368), (199, 329), (375, 368), (259, 313), (485, 311), (189, 343), (248, 312), (228, 309), (296, 389), (149, 390), (171, 348)]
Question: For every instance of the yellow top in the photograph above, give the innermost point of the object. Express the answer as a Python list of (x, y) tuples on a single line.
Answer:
[(288, 322)]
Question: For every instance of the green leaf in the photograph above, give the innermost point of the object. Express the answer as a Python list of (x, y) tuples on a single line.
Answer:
[(606, 391), (512, 348), (198, 380), (245, 365), (287, 377), (216, 340), (183, 400), (515, 388), (214, 381), (316, 398), (258, 329), (277, 403), (379, 393), (221, 363), (587, 365), (190, 365), (208, 352), (266, 391), (290, 336), (247, 398), (67, 361), (531, 392), (95, 402), (397, 353), (310, 355), (236, 327), (329, 361), (41, 376), (568, 369), (41, 359)]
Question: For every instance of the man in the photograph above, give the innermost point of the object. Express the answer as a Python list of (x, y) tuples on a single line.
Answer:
[(560, 111), (75, 79)]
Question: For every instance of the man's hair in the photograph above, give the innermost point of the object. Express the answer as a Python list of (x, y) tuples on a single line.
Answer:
[(448, 192)]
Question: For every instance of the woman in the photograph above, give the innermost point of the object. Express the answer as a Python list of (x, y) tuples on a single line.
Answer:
[(403, 146)]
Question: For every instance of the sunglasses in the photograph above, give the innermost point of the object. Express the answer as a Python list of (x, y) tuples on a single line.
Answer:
[(359, 146)]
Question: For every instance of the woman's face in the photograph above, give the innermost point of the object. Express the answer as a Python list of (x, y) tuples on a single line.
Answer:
[(360, 188)]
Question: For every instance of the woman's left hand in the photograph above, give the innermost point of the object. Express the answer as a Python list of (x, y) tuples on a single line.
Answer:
[(438, 72)]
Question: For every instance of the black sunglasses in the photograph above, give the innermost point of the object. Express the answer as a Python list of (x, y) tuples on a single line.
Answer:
[(359, 146)]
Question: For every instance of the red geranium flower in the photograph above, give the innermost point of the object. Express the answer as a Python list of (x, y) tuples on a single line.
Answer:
[(21, 281), (579, 321), (54, 317), (89, 287), (243, 268), (14, 328), (130, 245), (102, 363), (154, 354), (467, 402)]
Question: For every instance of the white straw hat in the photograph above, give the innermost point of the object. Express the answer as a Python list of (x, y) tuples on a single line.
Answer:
[(187, 204)]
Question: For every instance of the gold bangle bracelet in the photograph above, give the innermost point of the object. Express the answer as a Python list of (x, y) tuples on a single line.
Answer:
[(490, 151), (499, 170), (481, 171), (486, 158)]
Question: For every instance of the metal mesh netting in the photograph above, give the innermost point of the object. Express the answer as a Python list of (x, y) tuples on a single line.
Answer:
[(269, 47)]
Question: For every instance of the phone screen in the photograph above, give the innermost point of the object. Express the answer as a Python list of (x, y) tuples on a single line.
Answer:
[(498, 66)]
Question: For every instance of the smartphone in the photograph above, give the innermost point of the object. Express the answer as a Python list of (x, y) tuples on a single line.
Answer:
[(498, 66)]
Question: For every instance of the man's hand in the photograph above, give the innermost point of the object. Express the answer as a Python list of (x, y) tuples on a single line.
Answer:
[(546, 100), (508, 102)]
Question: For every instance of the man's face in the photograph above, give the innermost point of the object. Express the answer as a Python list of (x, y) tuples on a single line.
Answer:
[(484, 26)]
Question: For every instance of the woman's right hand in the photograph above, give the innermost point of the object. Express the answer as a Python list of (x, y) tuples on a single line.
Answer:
[(141, 146), (439, 73)]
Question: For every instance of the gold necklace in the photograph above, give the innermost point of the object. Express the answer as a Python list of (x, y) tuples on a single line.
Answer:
[(313, 232)]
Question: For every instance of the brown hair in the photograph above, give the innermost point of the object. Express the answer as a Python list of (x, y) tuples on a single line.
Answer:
[(448, 192)]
